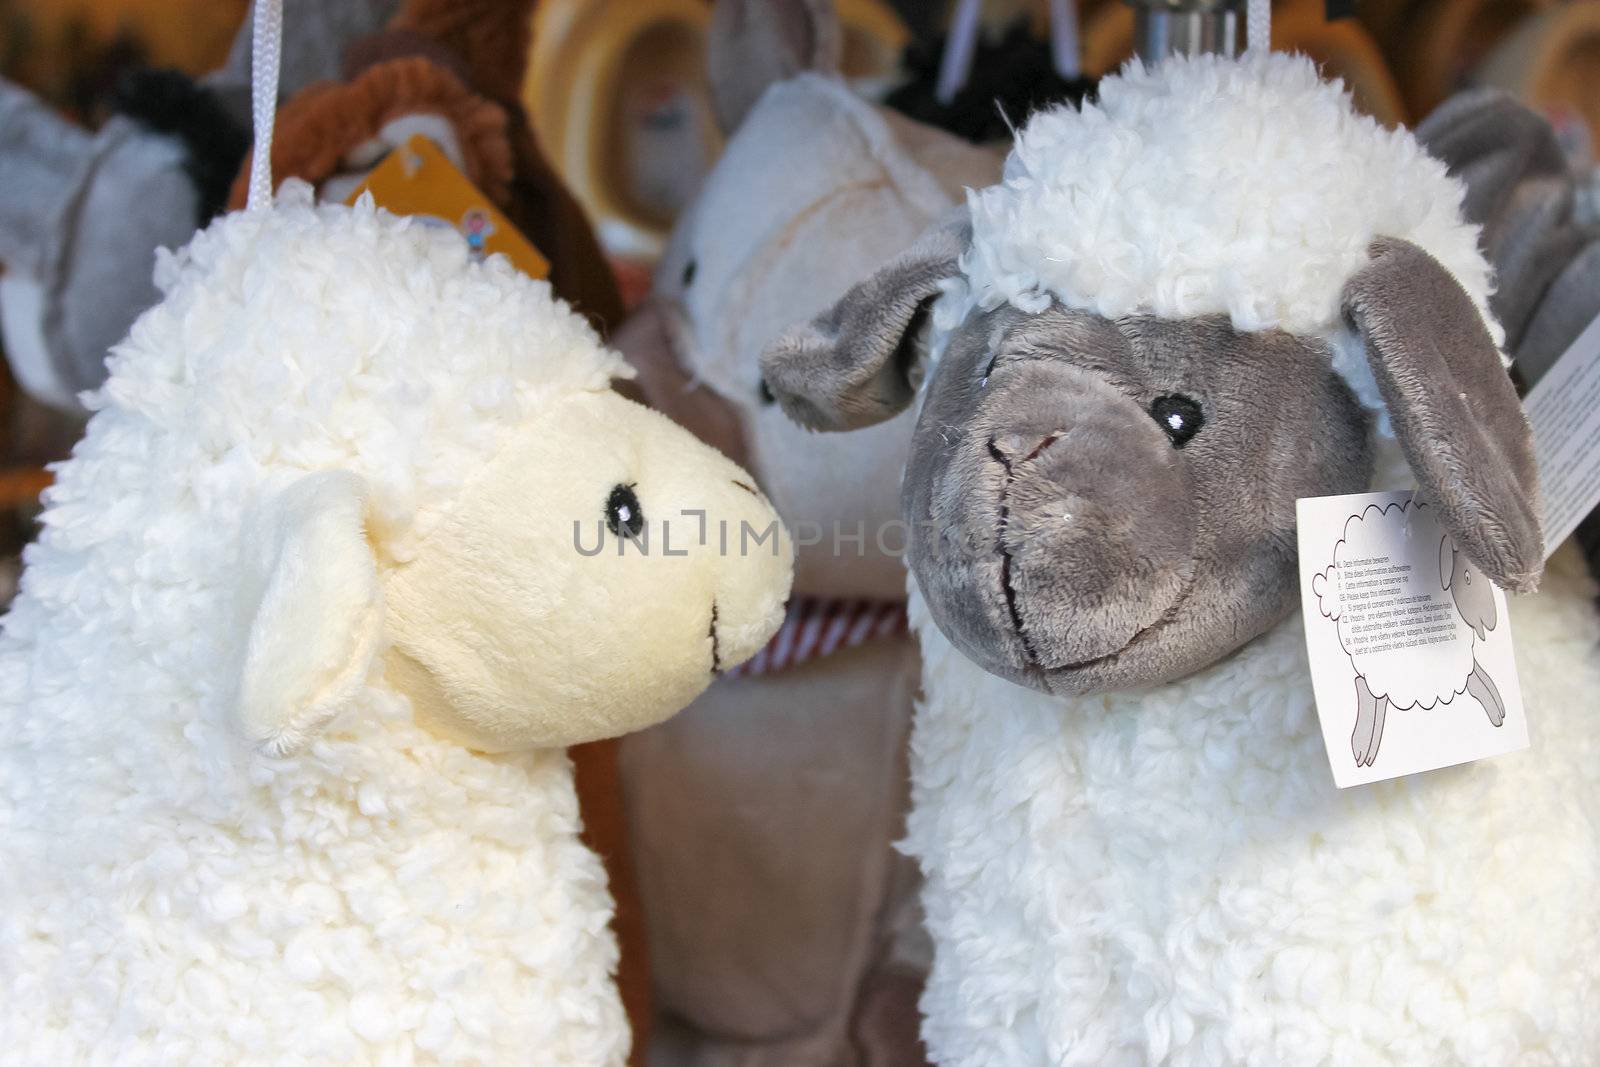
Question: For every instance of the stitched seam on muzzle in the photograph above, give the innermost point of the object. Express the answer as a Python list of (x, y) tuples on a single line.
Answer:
[(1006, 589)]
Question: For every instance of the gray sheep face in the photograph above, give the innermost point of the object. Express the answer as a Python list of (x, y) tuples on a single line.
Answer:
[(1105, 504), (1099, 504)]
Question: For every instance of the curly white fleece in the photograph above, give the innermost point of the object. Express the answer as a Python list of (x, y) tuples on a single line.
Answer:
[(166, 896), (1249, 187), (1171, 877)]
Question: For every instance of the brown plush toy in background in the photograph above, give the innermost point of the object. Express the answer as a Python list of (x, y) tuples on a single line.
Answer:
[(451, 70)]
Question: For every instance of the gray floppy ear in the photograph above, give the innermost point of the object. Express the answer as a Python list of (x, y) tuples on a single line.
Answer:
[(1453, 408), (857, 363), (754, 43)]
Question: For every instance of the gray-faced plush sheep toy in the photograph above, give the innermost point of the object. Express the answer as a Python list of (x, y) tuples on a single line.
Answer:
[(1217, 290), (340, 566)]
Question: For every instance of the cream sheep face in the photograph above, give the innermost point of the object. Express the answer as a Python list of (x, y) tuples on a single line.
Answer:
[(399, 468), (596, 576)]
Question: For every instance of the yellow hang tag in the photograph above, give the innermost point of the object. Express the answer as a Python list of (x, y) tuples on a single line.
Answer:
[(419, 180)]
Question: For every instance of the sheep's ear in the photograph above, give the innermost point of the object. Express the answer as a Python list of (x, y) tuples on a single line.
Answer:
[(1447, 561), (1453, 407), (314, 609), (858, 363), (754, 43)]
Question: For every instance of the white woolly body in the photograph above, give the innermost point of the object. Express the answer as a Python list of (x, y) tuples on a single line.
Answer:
[(167, 896), (1171, 877)]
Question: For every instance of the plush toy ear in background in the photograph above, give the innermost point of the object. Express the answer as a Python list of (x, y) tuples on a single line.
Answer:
[(1453, 407), (856, 364), (316, 625), (645, 341), (754, 43), (1492, 143), (1523, 193)]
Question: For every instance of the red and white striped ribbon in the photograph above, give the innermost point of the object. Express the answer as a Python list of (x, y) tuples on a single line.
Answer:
[(814, 627)]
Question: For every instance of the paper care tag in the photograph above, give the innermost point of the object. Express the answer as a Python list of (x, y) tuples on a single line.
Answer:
[(418, 179), (1563, 410), (1410, 647)]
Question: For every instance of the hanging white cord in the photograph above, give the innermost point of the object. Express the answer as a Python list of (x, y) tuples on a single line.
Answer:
[(1258, 25), (1064, 48), (266, 52), (959, 47)]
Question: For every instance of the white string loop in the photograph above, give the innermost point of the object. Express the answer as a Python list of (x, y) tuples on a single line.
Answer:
[(266, 54), (1064, 47), (1258, 25), (960, 44)]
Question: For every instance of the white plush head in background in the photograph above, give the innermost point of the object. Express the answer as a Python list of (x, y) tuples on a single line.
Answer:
[(815, 190), (337, 439)]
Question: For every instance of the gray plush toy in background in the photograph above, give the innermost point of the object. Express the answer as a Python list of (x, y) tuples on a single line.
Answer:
[(84, 212)]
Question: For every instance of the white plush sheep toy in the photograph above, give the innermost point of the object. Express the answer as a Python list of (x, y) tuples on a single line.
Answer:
[(1215, 291), (357, 538)]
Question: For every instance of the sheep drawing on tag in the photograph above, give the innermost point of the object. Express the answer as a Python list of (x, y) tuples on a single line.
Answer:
[(1406, 627), (1473, 596)]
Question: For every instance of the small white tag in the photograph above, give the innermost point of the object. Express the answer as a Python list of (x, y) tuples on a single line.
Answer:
[(1563, 410), (1410, 647)]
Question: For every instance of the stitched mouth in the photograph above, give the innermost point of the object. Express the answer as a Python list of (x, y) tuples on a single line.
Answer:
[(1009, 593), (1166, 617), (716, 648), (1007, 589)]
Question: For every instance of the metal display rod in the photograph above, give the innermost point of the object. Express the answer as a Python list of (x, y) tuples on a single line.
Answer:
[(1187, 27)]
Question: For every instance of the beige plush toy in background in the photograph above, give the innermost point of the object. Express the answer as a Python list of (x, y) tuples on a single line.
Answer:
[(783, 926)]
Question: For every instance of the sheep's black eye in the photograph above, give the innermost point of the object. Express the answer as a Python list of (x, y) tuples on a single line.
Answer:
[(765, 392), (688, 273), (1179, 416), (624, 516)]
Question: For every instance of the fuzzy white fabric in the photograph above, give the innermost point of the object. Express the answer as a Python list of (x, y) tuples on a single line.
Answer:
[(386, 896), (1171, 877), (1248, 187)]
